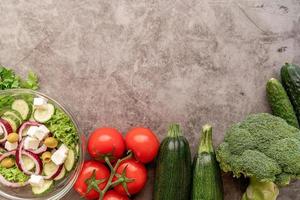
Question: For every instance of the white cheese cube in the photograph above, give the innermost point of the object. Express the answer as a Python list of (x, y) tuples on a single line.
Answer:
[(31, 143), (39, 101), (10, 146), (63, 149), (36, 180), (58, 157), (31, 130), (41, 132)]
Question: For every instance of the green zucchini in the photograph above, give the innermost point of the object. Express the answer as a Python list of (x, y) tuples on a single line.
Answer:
[(280, 103), (173, 168), (290, 77), (207, 180)]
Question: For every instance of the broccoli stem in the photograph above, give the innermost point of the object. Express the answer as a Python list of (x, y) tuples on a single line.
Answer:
[(261, 190), (206, 140)]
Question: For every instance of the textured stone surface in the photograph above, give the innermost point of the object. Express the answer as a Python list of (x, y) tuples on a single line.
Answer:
[(149, 62)]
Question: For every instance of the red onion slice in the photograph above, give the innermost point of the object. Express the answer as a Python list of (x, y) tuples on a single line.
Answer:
[(3, 180), (36, 159), (6, 154), (24, 126), (4, 125), (7, 126), (40, 150), (55, 174), (11, 184)]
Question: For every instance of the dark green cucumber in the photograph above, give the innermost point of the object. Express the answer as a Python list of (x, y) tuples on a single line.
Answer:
[(207, 180), (280, 103), (173, 168), (290, 77)]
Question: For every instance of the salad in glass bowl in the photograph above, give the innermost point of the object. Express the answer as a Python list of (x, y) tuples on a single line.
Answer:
[(40, 146)]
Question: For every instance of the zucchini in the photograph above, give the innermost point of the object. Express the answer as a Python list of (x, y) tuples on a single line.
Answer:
[(280, 103), (22, 107), (207, 180), (173, 169), (290, 77)]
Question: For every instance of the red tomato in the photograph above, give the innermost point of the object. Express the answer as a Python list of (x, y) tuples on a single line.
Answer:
[(106, 142), (133, 170), (89, 168), (143, 143), (113, 195)]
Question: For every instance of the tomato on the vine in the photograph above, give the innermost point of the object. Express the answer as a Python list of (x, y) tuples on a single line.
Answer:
[(144, 144), (136, 172), (92, 172), (106, 142), (113, 195)]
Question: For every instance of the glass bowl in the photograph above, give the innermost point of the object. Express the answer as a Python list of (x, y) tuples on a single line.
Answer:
[(61, 188)]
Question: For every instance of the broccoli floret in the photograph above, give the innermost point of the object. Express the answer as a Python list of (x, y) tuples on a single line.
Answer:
[(262, 147)]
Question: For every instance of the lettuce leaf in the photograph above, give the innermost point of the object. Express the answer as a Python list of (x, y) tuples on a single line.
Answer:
[(63, 128), (13, 174)]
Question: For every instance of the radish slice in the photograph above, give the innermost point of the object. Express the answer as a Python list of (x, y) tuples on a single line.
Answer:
[(40, 150), (35, 158), (25, 125), (11, 184)]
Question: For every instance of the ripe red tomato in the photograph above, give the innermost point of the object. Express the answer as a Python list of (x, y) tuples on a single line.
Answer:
[(144, 144), (106, 142), (133, 170), (89, 169), (113, 195)]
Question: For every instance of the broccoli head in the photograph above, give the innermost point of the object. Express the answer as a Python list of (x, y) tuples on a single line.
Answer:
[(264, 148)]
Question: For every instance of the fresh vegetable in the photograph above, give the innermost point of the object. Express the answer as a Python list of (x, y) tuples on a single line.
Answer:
[(106, 142), (264, 148), (113, 195), (143, 143), (63, 129), (173, 170), (280, 103), (43, 188), (9, 80), (13, 174), (22, 107), (290, 76), (13, 122), (136, 174), (93, 175), (44, 113), (51, 170), (61, 175), (70, 160), (207, 181)]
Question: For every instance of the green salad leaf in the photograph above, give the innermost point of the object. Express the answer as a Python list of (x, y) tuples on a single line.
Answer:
[(9, 80), (13, 174), (63, 128)]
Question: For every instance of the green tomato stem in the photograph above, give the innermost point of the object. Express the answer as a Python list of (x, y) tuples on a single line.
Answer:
[(110, 182)]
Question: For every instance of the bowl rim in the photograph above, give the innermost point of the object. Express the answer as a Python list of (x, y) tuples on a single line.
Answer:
[(73, 177)]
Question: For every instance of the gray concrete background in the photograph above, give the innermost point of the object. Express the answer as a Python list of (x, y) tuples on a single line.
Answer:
[(151, 62)]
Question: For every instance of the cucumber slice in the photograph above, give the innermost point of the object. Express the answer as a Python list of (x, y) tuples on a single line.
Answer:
[(70, 160), (61, 174), (22, 107), (15, 113), (12, 120), (28, 163), (43, 188), (44, 114), (50, 168)]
